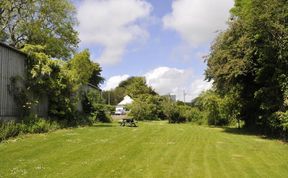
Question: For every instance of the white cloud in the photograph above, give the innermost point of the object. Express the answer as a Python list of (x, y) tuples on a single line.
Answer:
[(198, 20), (112, 24), (167, 80), (197, 86), (114, 81)]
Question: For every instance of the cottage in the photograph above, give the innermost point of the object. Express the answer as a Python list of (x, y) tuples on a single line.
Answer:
[(13, 64), (120, 108)]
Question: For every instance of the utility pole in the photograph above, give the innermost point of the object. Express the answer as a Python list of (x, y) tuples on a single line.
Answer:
[(108, 97), (184, 95)]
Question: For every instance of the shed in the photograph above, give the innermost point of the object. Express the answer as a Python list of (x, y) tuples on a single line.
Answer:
[(13, 63)]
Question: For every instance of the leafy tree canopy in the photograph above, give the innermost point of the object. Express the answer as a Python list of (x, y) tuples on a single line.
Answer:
[(81, 70), (250, 59), (133, 86), (48, 23)]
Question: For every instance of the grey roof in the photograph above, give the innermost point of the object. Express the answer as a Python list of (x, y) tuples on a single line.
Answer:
[(12, 48)]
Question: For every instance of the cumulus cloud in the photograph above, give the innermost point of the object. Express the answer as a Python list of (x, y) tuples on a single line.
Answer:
[(114, 81), (175, 81), (167, 80), (112, 24), (198, 20), (197, 86)]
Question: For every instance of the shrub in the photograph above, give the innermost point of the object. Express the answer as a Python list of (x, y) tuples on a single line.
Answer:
[(216, 109), (193, 114), (29, 124), (8, 129), (171, 111), (147, 107), (94, 107), (278, 123), (100, 116)]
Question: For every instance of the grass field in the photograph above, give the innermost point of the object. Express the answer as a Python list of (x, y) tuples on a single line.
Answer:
[(154, 149)]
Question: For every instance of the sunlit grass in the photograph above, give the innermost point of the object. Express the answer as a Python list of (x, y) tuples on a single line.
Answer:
[(154, 149)]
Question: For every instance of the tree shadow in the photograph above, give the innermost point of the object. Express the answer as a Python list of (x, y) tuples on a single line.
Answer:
[(104, 125), (241, 131), (249, 132)]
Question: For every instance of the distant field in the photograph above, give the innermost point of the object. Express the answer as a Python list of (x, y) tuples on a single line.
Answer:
[(155, 149)]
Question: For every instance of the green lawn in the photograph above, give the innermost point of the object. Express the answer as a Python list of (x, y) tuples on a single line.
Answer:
[(154, 149)]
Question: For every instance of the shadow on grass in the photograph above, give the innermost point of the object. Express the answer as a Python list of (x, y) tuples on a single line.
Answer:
[(249, 132), (241, 131), (104, 125)]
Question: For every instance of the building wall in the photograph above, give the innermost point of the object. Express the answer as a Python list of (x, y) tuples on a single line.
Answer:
[(13, 64)]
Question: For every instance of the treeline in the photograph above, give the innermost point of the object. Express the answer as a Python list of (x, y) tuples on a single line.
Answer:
[(249, 61), (133, 86), (209, 108), (248, 65)]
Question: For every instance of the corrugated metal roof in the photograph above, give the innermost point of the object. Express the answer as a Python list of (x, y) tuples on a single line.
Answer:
[(12, 48)]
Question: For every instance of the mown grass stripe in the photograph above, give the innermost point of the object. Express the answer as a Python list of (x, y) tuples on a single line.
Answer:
[(154, 149)]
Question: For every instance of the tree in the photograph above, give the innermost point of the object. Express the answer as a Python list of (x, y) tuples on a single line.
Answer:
[(171, 111), (133, 86), (249, 59), (147, 107), (81, 70), (136, 86), (59, 80), (49, 23)]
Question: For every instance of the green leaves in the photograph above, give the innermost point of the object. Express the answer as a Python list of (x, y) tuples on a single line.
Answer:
[(59, 80), (48, 23), (81, 70), (250, 58)]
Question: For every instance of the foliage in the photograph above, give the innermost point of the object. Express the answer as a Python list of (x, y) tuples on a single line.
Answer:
[(154, 107), (60, 81), (278, 124), (8, 129), (191, 114), (171, 111), (136, 86), (133, 86), (249, 61), (29, 124), (146, 107), (48, 23), (100, 113), (47, 77), (93, 105), (114, 96), (217, 110), (21, 95), (80, 70)]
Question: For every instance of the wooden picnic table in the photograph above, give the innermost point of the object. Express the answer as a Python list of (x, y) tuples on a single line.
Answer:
[(128, 122)]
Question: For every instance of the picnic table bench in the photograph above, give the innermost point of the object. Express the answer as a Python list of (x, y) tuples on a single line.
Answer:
[(128, 122)]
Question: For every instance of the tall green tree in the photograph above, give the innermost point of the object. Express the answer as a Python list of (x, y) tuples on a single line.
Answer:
[(49, 23), (250, 59), (81, 70), (136, 86)]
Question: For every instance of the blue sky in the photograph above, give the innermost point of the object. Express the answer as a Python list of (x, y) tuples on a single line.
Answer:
[(163, 40)]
